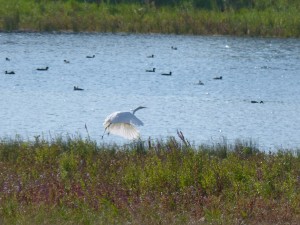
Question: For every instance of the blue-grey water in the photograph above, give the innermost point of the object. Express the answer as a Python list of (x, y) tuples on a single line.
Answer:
[(43, 102)]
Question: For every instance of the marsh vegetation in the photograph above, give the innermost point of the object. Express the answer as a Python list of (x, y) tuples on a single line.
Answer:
[(199, 17), (152, 182)]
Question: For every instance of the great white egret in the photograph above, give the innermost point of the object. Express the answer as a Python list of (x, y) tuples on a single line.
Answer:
[(123, 124)]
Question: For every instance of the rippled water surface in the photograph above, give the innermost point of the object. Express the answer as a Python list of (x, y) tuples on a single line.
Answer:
[(43, 102)]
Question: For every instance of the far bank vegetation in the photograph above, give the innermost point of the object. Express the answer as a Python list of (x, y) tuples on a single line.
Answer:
[(280, 18)]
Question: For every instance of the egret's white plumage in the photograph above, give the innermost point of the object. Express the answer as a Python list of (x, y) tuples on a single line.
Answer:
[(123, 124)]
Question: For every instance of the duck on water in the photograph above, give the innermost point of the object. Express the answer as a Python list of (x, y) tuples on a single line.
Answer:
[(153, 70), (261, 102), (167, 74), (76, 88), (218, 78), (200, 83), (10, 72), (43, 69)]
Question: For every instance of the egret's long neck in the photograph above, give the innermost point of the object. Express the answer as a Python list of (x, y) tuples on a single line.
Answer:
[(138, 108)]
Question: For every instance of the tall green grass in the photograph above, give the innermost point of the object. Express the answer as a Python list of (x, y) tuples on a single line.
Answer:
[(280, 20), (76, 181)]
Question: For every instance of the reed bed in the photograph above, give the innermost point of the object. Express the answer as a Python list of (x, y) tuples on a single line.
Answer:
[(74, 16), (76, 181)]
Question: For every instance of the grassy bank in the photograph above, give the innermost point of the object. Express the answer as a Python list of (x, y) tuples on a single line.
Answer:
[(75, 181), (273, 20)]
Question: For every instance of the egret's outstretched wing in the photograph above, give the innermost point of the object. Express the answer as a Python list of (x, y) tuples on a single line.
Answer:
[(135, 121), (125, 130), (122, 117), (123, 124)]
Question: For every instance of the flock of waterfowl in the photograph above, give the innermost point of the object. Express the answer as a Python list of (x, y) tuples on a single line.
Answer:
[(198, 83), (76, 88), (153, 70), (170, 73)]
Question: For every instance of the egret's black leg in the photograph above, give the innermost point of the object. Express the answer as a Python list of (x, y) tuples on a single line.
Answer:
[(105, 130)]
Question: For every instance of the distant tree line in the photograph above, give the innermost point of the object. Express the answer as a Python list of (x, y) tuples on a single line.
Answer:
[(204, 4)]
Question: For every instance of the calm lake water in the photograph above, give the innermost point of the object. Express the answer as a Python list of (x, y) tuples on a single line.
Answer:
[(43, 102)]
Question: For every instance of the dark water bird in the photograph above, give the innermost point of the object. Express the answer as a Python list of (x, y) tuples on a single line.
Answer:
[(167, 74), (10, 72), (66, 61), (218, 78), (90, 57), (150, 56), (7, 59), (261, 102), (76, 88), (153, 70), (200, 83), (174, 48), (43, 69)]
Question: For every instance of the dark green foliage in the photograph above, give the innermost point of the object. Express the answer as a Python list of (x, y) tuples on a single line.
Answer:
[(11, 21), (208, 4), (198, 17)]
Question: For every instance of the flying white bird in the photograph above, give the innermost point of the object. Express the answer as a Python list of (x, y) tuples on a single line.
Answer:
[(123, 124)]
